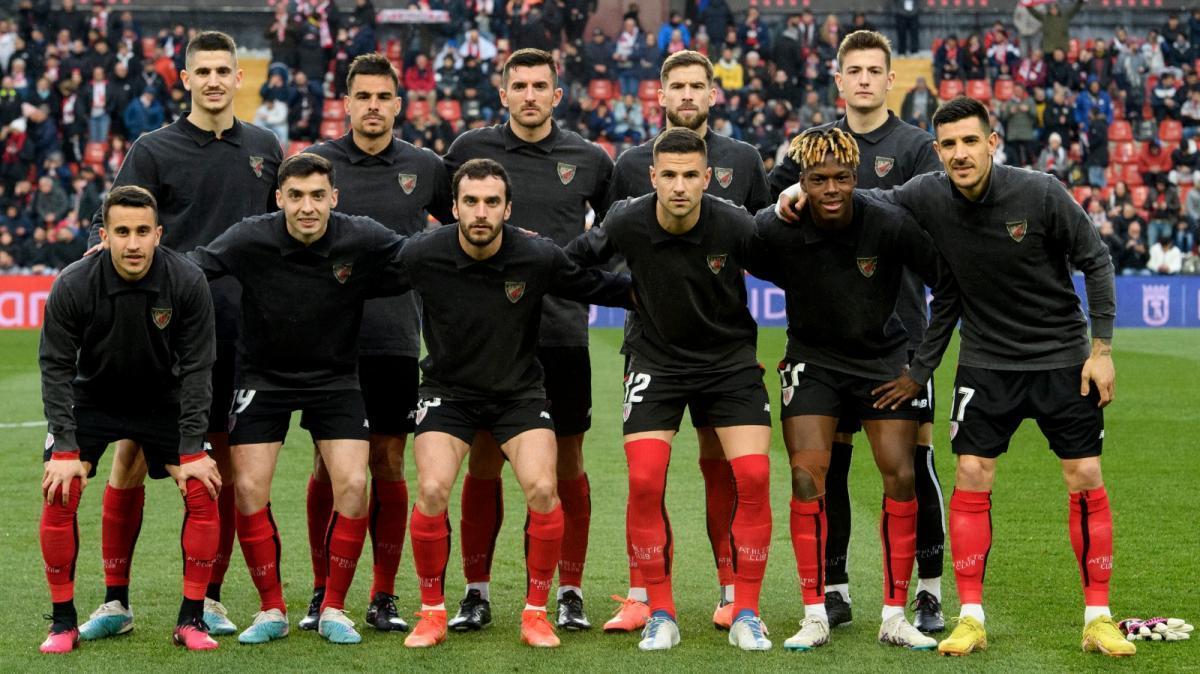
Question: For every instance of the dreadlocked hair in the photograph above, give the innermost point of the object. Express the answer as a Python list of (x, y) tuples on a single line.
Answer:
[(810, 147)]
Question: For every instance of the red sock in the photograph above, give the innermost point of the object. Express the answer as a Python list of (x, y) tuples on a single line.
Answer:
[(809, 531), (431, 552), (750, 531), (636, 579), (260, 546), (576, 497), (201, 530), (1092, 539), (543, 544), (227, 527), (646, 521), (59, 534), (898, 535), (389, 521), (343, 545), (482, 515), (122, 522), (719, 492), (320, 509), (970, 541)]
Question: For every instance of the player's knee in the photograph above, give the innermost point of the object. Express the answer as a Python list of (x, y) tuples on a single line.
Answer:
[(1083, 474), (432, 495), (808, 482), (249, 494), (198, 502), (541, 494), (974, 473), (385, 466), (899, 484)]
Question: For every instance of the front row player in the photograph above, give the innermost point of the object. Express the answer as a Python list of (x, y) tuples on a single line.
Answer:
[(305, 273), (127, 351), (691, 343), (842, 268), (481, 285)]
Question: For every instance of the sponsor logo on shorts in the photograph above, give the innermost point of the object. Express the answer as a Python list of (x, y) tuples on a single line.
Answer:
[(883, 165), (767, 408), (423, 408), (953, 429), (514, 290), (1101, 434), (341, 271), (49, 441), (566, 173), (787, 393), (544, 415), (1017, 229), (867, 265), (724, 176), (1156, 304), (160, 317), (626, 409), (256, 165), (717, 262), (366, 423), (408, 182)]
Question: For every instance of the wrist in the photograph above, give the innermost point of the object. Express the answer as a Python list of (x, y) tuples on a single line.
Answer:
[(72, 455)]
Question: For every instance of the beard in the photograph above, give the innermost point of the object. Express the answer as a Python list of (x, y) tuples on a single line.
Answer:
[(700, 119)]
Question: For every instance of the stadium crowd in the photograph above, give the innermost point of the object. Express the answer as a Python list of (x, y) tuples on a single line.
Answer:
[(1116, 119)]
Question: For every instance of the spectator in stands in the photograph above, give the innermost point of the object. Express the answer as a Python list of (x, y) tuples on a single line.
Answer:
[(1020, 125), (674, 23), (281, 37), (788, 55), (8, 264), (1163, 99), (626, 55), (1117, 198), (755, 69), (1055, 25), (753, 34), (1153, 163), (68, 246), (1059, 116), (272, 115), (419, 78), (98, 106), (729, 71), (946, 62), (1165, 258), (1097, 151), (1095, 212), (1135, 255), (813, 108), (1184, 238), (1001, 53), (144, 114), (1061, 72), (1114, 243), (919, 104), (50, 200), (1164, 206), (1185, 164), (1191, 206), (1053, 159), (304, 109), (37, 255), (906, 15), (1093, 98), (87, 197), (598, 54)]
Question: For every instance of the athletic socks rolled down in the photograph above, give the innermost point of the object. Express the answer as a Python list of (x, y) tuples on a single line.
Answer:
[(261, 547), (343, 546), (576, 497), (388, 523), (479, 525), (431, 552), (543, 544)]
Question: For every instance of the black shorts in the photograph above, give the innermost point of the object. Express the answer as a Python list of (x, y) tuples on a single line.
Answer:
[(389, 389), (807, 389), (989, 405), (157, 432), (264, 416), (655, 402), (463, 418), (568, 381), (850, 424), (223, 384)]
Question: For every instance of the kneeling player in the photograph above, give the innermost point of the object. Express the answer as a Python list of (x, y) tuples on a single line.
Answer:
[(841, 269), (305, 274), (127, 350), (481, 285), (691, 343)]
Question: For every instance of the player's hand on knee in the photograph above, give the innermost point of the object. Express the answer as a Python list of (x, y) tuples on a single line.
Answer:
[(57, 478), (203, 469), (896, 392), (1098, 369), (790, 203)]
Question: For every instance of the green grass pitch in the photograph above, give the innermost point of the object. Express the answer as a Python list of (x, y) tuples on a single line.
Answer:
[(1032, 595)]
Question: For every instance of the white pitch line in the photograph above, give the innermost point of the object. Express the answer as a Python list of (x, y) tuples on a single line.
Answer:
[(24, 424)]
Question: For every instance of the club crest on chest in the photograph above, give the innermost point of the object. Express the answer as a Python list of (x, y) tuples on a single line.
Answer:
[(1017, 230), (566, 173), (341, 272), (717, 262), (256, 165), (867, 265), (160, 317), (408, 182), (724, 176), (883, 165), (514, 290)]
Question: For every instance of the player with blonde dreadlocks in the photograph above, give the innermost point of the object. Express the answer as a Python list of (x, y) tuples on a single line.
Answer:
[(841, 269)]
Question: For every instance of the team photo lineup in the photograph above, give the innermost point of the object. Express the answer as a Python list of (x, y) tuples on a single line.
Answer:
[(431, 311)]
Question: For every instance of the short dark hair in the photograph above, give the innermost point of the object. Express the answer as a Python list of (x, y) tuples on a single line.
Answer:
[(530, 58), (373, 63), (959, 108), (478, 169), (303, 165), (210, 40), (130, 196), (863, 40), (679, 140), (683, 58)]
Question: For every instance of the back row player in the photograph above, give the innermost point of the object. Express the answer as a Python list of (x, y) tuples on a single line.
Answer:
[(207, 171), (738, 175)]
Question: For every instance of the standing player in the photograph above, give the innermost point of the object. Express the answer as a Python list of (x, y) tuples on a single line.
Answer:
[(305, 274), (892, 152), (687, 93), (208, 170), (842, 268), (482, 285), (691, 343), (568, 174), (396, 184), (1011, 237), (127, 351)]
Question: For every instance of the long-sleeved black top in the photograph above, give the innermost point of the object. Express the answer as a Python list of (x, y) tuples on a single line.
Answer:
[(481, 317), (554, 182), (117, 344), (302, 305), (841, 285), (691, 315)]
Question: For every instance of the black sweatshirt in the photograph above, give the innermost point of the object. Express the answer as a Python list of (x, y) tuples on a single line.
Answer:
[(117, 344)]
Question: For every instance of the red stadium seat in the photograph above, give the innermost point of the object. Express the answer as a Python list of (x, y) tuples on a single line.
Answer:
[(149, 44), (1118, 112), (1004, 89), (95, 154), (417, 107), (1131, 175), (449, 110), (648, 90), (394, 52), (936, 45), (602, 90), (1112, 174), (1139, 195), (1170, 131), (1106, 190), (333, 128), (1120, 131), (295, 147), (979, 90), (1073, 50), (1123, 153), (949, 88), (1081, 194), (652, 113), (333, 108), (1184, 188), (608, 147)]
